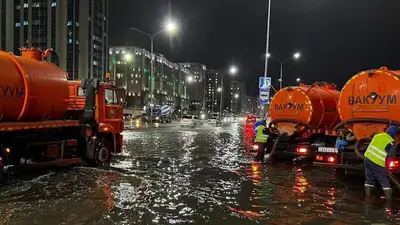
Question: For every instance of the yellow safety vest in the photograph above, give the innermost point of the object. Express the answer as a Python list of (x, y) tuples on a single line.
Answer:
[(376, 149), (260, 136)]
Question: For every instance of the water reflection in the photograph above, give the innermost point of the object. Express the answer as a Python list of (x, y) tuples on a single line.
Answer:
[(191, 176)]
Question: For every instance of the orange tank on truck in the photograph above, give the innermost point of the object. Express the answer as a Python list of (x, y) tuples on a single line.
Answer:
[(30, 89), (46, 118), (369, 102), (305, 108)]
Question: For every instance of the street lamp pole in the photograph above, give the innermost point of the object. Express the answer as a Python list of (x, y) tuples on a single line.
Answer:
[(281, 76), (295, 56), (170, 27), (220, 103), (267, 47)]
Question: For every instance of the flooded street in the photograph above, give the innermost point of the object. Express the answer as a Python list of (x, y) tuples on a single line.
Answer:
[(189, 176)]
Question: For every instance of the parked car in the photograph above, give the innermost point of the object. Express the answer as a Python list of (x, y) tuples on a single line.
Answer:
[(214, 121), (190, 121)]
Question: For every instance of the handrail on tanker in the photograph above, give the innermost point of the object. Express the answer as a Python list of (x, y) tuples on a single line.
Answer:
[(291, 121), (365, 120)]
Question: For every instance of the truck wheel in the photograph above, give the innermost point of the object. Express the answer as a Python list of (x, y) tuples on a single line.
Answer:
[(102, 153)]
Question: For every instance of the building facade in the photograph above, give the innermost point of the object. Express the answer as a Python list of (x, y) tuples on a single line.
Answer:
[(130, 69), (212, 91), (237, 97), (196, 83), (252, 106), (76, 29)]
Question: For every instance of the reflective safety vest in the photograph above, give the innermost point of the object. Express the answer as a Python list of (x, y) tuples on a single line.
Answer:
[(376, 149), (260, 136)]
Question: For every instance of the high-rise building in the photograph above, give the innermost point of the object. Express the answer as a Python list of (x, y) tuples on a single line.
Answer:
[(76, 29), (251, 105), (130, 69), (213, 85), (237, 96), (197, 83)]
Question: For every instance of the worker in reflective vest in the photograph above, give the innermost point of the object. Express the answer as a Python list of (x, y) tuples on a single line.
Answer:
[(375, 159), (261, 139)]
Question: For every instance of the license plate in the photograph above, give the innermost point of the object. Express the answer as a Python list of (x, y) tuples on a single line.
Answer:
[(327, 150)]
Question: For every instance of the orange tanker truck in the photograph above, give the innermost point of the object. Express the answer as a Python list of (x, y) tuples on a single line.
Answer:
[(300, 117), (368, 104), (46, 118)]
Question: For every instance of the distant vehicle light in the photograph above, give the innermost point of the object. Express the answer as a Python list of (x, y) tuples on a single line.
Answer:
[(302, 150), (392, 163)]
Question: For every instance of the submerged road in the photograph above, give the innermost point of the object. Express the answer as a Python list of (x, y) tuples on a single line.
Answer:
[(169, 175)]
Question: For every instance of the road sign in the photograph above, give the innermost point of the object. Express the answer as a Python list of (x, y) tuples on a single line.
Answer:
[(256, 125), (264, 83), (263, 97)]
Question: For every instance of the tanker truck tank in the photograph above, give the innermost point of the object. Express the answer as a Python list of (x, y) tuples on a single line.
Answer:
[(299, 109), (369, 102), (32, 89)]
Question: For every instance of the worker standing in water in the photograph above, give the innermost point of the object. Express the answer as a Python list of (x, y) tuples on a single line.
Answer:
[(261, 140), (375, 159)]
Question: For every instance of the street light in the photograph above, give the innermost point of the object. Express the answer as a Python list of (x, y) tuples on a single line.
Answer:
[(298, 80), (128, 57), (170, 27), (295, 56)]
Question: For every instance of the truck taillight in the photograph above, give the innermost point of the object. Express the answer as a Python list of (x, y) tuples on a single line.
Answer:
[(319, 158), (302, 150), (331, 159), (392, 163)]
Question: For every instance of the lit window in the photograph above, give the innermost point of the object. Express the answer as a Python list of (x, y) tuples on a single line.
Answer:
[(53, 4), (136, 81), (69, 41), (25, 5), (26, 23), (69, 23), (17, 24), (18, 7)]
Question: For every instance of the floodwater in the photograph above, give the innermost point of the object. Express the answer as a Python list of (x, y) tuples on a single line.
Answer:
[(190, 176)]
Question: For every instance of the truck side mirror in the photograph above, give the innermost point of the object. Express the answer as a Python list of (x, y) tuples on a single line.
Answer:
[(83, 83), (96, 83)]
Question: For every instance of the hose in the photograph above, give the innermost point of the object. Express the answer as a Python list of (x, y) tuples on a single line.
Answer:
[(350, 137), (357, 147), (46, 54), (274, 148), (365, 120)]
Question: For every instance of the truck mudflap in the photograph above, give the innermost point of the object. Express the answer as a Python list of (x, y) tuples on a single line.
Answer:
[(118, 143)]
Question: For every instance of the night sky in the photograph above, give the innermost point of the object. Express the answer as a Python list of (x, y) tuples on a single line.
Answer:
[(337, 38)]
